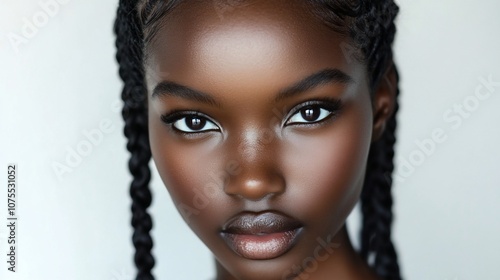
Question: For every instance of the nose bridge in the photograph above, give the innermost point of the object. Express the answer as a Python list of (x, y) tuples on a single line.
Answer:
[(253, 144), (256, 152)]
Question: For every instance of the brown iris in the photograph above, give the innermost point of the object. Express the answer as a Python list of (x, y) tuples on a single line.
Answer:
[(310, 113), (195, 122)]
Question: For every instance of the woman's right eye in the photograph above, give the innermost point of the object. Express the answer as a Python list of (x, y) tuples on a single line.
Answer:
[(190, 123)]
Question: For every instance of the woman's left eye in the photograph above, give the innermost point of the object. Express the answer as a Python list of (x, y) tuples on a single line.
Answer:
[(309, 114)]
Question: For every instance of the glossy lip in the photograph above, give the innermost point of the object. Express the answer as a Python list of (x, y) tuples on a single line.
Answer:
[(261, 236)]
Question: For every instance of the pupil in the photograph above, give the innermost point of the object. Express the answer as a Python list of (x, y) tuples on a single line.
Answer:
[(310, 114), (195, 123)]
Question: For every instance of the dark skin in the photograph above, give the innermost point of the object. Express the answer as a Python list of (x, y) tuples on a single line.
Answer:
[(302, 154)]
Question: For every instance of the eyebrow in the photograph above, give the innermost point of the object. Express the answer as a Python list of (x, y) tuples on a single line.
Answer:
[(169, 88), (328, 75)]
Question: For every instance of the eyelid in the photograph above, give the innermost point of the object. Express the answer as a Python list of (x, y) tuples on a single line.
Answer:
[(175, 115), (171, 117), (334, 105)]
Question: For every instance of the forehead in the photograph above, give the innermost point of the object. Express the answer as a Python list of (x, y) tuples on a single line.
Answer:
[(236, 38)]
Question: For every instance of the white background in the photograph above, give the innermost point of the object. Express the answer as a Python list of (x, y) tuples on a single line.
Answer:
[(63, 80)]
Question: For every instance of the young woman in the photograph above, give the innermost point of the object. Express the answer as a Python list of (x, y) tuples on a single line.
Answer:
[(267, 121)]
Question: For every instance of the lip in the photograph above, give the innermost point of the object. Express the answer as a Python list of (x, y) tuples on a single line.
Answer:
[(261, 236)]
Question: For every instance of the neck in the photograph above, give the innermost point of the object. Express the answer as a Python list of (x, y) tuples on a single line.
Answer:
[(345, 264)]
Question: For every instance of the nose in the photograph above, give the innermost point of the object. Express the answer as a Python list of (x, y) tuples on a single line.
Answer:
[(258, 173), (255, 185)]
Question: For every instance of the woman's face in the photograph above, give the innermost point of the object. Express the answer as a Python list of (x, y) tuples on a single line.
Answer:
[(260, 128)]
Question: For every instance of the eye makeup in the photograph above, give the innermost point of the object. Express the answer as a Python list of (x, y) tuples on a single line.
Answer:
[(313, 112), (319, 109), (189, 122)]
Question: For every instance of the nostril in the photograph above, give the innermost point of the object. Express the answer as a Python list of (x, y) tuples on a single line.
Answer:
[(255, 189)]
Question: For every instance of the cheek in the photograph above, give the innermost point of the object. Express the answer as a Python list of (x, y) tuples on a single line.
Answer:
[(176, 166), (327, 169), (192, 173)]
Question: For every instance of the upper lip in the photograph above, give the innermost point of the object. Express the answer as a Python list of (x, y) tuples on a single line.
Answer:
[(251, 223)]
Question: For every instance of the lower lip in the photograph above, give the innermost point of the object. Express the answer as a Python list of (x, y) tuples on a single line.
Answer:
[(261, 247)]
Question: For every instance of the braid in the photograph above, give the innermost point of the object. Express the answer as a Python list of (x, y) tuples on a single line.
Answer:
[(376, 204), (129, 57), (376, 198)]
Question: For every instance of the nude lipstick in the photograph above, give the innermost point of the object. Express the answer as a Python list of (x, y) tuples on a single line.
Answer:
[(260, 236)]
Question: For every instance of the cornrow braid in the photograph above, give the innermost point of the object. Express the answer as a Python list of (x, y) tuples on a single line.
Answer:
[(134, 113), (369, 24)]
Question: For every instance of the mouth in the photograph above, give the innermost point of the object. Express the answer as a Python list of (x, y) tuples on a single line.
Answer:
[(260, 236)]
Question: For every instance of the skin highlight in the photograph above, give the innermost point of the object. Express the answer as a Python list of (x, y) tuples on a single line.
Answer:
[(256, 159)]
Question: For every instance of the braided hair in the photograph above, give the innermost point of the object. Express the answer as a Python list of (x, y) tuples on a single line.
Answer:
[(370, 26), (129, 57)]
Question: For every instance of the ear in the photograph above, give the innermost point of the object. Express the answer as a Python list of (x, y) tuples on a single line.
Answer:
[(384, 101)]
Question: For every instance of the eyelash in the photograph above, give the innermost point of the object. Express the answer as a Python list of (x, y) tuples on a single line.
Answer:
[(171, 118), (332, 105)]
